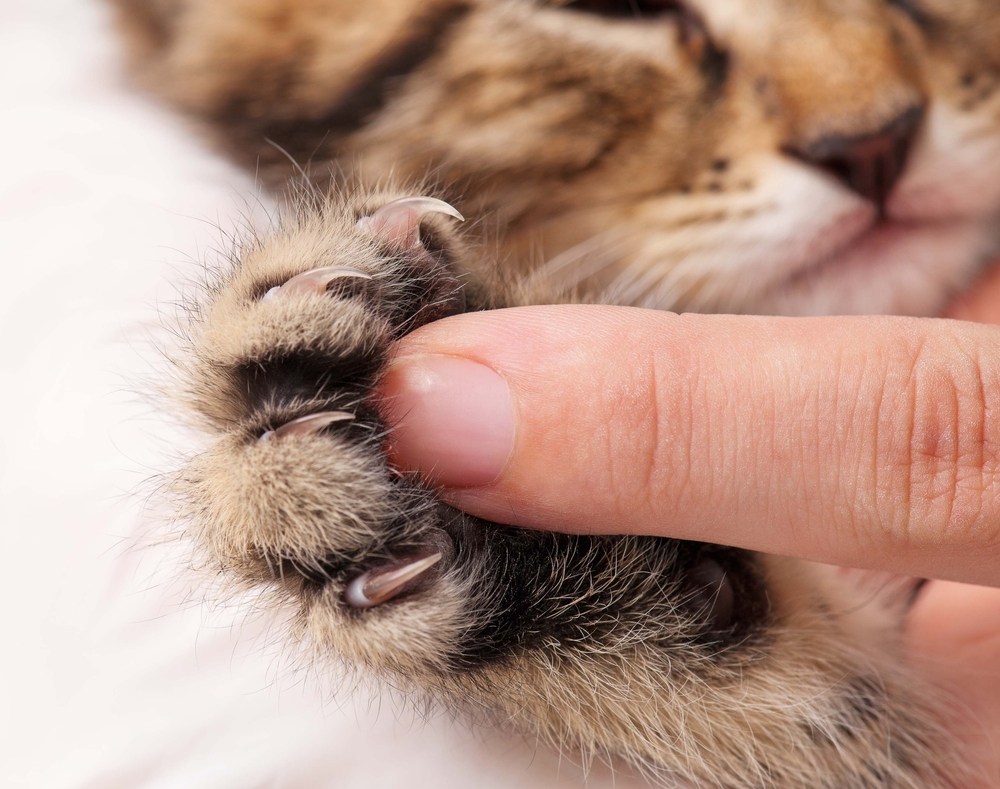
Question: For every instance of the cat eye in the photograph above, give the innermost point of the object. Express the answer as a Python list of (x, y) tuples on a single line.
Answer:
[(911, 8), (640, 9), (691, 28)]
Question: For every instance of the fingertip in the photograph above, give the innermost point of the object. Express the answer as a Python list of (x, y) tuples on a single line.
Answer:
[(452, 419)]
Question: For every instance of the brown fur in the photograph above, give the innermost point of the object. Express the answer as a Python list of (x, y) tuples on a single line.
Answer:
[(564, 125), (675, 161)]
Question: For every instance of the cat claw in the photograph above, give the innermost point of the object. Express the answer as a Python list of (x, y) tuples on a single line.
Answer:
[(313, 281), (398, 222), (378, 586), (307, 425)]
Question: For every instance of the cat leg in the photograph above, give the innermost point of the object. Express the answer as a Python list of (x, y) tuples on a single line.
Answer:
[(285, 352), (695, 660)]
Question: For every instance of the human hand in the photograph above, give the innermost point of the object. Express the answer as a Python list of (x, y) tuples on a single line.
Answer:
[(865, 442)]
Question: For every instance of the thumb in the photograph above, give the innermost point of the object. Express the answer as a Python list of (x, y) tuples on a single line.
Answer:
[(869, 442)]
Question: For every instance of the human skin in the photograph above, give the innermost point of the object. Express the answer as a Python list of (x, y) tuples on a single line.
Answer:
[(865, 442), (954, 627)]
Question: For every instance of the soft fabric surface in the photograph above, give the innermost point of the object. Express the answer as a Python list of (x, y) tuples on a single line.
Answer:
[(115, 674)]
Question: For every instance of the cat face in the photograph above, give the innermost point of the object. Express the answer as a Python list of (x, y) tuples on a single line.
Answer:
[(775, 156), (796, 156), (772, 156)]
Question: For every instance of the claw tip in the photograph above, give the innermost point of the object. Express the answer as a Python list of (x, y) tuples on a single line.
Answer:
[(375, 587)]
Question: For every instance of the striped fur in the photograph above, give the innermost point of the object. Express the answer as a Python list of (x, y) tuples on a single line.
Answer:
[(675, 156)]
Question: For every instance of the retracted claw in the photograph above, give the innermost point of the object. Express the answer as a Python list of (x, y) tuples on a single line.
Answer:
[(398, 222), (377, 586), (313, 281), (306, 425)]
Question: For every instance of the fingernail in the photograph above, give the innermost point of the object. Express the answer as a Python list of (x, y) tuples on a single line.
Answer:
[(452, 419)]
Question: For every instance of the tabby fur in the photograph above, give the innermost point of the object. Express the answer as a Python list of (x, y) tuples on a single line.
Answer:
[(777, 156)]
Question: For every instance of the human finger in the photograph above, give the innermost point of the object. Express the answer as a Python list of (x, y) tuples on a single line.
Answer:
[(868, 442), (953, 634), (982, 303)]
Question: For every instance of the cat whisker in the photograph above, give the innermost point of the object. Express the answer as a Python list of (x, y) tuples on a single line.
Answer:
[(580, 262), (377, 586), (641, 276), (654, 278), (707, 293), (307, 425), (313, 281)]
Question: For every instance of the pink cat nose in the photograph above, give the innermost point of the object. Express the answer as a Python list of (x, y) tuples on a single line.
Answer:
[(869, 164)]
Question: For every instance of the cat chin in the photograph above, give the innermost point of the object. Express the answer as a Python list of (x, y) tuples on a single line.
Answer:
[(893, 268)]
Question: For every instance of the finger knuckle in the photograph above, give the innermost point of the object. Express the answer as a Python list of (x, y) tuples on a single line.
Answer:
[(952, 447)]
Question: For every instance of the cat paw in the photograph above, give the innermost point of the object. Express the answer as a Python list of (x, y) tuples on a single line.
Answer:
[(706, 662), (285, 355)]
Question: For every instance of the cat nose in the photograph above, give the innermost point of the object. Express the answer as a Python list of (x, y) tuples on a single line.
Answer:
[(869, 164)]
